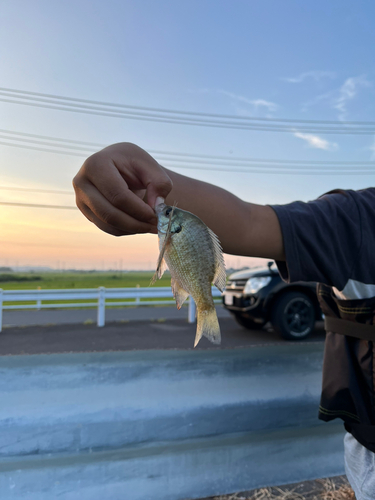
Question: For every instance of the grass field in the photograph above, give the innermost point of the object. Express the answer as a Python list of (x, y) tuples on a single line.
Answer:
[(69, 280), (29, 281)]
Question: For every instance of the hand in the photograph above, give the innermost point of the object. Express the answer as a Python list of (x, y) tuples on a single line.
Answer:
[(117, 187)]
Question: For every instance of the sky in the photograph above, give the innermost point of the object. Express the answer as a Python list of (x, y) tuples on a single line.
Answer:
[(245, 58)]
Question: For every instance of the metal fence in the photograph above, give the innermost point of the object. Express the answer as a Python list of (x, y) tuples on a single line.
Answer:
[(92, 297)]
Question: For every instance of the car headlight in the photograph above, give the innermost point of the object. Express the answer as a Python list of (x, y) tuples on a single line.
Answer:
[(253, 285)]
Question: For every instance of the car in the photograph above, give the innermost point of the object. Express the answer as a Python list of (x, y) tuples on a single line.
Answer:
[(258, 296)]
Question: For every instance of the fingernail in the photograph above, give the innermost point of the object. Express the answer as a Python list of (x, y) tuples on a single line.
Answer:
[(159, 200)]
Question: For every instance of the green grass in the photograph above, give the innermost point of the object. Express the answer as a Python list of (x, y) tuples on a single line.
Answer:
[(71, 280), (63, 280)]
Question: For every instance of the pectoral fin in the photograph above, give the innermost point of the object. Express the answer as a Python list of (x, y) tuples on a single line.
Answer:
[(161, 265), (178, 293), (162, 268)]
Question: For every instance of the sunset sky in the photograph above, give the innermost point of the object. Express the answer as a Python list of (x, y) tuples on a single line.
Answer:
[(284, 60)]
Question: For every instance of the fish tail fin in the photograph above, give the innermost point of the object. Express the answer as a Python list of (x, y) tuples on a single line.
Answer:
[(207, 325)]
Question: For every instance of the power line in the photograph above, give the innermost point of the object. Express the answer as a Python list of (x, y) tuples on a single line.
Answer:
[(192, 113), (46, 150), (287, 171), (260, 160), (47, 143), (35, 190), (202, 123), (183, 117), (164, 155), (34, 205), (46, 137), (254, 169)]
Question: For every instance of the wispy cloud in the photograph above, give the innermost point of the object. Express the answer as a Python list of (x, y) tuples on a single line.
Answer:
[(315, 75), (317, 142), (256, 104), (347, 92), (339, 98), (242, 104), (322, 97)]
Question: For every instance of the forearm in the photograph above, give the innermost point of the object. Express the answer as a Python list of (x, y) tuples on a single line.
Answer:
[(117, 189), (243, 228)]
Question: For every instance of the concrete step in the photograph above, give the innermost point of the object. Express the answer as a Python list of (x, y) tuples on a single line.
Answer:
[(77, 402), (179, 470), (166, 425)]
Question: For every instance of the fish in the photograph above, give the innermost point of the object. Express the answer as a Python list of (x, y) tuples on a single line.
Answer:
[(194, 257)]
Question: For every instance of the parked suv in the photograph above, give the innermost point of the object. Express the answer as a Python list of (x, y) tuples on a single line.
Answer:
[(256, 296)]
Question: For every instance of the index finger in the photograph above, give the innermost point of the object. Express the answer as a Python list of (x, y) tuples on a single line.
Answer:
[(105, 176)]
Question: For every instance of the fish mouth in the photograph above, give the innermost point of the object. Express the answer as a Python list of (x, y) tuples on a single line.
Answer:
[(162, 227)]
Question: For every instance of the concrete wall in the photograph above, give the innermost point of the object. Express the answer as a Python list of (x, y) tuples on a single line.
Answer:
[(162, 425)]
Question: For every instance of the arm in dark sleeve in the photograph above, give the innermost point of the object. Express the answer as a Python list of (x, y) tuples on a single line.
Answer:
[(321, 238)]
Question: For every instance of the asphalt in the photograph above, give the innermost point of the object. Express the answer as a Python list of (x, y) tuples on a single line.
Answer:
[(33, 317), (158, 331)]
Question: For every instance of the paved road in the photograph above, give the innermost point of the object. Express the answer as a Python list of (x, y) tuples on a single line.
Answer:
[(17, 317), (159, 332)]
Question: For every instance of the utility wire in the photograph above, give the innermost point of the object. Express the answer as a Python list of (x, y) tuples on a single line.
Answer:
[(166, 155), (48, 143), (204, 123), (57, 139), (33, 205), (35, 190), (46, 150), (254, 169), (164, 110), (182, 117)]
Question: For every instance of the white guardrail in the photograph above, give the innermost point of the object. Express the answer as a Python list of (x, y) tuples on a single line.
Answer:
[(98, 297)]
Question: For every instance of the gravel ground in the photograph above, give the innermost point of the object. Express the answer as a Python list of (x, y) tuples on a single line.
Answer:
[(334, 488)]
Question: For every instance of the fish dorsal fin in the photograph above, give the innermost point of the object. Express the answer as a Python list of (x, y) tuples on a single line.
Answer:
[(220, 277)]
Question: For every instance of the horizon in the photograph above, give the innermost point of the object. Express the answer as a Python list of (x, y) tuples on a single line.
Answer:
[(47, 269)]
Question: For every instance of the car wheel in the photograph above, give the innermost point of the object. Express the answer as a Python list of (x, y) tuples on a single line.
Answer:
[(247, 322), (293, 316)]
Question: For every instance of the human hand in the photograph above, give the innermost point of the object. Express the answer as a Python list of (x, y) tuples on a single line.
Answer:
[(117, 187)]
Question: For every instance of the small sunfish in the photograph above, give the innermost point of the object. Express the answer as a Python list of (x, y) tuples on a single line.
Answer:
[(194, 257)]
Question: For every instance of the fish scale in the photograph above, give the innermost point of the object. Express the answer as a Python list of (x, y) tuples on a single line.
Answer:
[(189, 272)]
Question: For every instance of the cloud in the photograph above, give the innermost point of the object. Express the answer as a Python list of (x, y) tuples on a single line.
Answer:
[(271, 106), (238, 101), (318, 99), (338, 98), (255, 103), (347, 92), (317, 142), (315, 75)]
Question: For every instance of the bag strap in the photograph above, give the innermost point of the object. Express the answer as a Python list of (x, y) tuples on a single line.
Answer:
[(350, 328)]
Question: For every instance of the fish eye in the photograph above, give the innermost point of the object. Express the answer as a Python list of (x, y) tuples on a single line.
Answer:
[(178, 230), (168, 211)]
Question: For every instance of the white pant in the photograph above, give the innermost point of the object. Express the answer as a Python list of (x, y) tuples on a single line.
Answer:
[(360, 468)]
